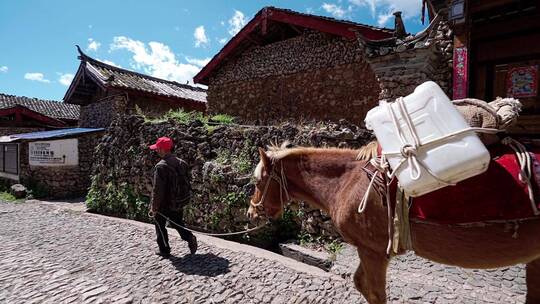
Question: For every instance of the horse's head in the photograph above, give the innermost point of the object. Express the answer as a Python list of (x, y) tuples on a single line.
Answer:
[(271, 194)]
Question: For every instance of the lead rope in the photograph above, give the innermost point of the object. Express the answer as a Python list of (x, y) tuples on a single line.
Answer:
[(210, 234), (525, 174)]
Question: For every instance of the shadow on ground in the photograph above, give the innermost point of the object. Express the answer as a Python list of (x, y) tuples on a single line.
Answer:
[(207, 264)]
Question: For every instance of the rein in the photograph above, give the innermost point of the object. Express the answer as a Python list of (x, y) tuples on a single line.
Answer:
[(282, 182)]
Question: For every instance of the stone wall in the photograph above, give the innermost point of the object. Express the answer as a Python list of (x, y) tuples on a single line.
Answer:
[(61, 182), (152, 107), (312, 76), (402, 67), (222, 160), (102, 113)]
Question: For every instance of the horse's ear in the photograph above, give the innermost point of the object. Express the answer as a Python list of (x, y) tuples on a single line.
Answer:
[(264, 157)]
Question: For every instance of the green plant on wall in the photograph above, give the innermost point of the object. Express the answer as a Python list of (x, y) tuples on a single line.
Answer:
[(118, 200), (222, 119), (241, 163)]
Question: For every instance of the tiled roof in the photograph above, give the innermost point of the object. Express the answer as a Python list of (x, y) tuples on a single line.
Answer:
[(117, 77), (51, 108)]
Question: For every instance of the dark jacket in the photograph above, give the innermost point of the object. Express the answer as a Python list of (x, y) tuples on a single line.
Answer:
[(172, 189)]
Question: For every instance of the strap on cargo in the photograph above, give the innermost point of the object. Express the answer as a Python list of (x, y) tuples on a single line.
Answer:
[(410, 150), (525, 164)]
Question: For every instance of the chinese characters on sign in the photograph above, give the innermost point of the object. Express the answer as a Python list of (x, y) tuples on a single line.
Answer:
[(522, 81), (54, 153), (460, 80)]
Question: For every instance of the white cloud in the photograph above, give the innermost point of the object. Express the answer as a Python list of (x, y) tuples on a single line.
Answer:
[(36, 77), (4, 69), (334, 10), (237, 22), (198, 62), (93, 45), (110, 63), (223, 40), (156, 59), (200, 37), (382, 19), (222, 23), (65, 79), (383, 9)]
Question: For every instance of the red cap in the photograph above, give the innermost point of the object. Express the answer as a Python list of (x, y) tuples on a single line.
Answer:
[(164, 143)]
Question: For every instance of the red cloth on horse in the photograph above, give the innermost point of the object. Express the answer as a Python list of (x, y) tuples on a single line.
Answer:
[(497, 194)]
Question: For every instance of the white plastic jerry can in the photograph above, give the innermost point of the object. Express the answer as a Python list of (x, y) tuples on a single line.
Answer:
[(430, 116)]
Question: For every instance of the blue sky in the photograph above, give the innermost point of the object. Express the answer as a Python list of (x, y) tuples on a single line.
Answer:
[(165, 38)]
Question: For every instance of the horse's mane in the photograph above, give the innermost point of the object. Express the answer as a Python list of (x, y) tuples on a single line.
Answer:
[(277, 152), (368, 151)]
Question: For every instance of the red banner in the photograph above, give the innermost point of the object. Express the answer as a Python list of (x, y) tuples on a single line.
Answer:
[(460, 79)]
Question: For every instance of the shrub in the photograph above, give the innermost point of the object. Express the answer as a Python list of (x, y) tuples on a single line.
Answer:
[(7, 197), (117, 200)]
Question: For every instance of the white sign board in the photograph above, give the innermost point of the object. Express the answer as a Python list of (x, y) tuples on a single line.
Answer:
[(54, 153)]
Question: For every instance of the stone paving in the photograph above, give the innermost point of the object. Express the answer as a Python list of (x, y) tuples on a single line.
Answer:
[(50, 254)]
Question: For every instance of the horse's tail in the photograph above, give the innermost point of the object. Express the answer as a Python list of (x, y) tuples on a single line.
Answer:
[(368, 151)]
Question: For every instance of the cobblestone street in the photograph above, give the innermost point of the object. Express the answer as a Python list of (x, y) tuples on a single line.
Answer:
[(51, 254)]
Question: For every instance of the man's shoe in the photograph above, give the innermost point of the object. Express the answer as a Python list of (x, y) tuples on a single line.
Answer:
[(192, 243), (162, 254)]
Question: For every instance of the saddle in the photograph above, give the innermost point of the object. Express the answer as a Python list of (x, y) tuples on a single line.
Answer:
[(493, 196)]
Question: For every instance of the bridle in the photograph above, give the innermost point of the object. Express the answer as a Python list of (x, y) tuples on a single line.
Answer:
[(282, 182)]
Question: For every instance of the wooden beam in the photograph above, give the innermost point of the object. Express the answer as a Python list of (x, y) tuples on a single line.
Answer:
[(296, 29), (254, 40), (264, 26), (20, 111)]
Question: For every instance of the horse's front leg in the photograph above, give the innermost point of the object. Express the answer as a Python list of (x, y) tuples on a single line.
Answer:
[(370, 276), (533, 282)]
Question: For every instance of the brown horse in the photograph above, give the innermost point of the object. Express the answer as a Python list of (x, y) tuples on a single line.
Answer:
[(333, 180)]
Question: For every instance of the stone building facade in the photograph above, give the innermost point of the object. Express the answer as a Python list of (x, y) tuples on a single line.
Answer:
[(104, 91), (289, 65), (321, 74), (314, 75), (57, 181)]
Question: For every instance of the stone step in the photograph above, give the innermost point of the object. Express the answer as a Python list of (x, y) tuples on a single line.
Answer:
[(308, 256)]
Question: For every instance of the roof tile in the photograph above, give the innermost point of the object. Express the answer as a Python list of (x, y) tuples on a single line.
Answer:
[(122, 78), (51, 108)]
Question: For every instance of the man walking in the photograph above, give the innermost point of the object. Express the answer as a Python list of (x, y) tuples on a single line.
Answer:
[(171, 192)]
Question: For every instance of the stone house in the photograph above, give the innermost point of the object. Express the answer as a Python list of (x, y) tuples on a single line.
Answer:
[(19, 114), (58, 161), (103, 91), (286, 64)]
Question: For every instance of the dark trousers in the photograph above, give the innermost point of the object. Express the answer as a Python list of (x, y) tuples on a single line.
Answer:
[(161, 230)]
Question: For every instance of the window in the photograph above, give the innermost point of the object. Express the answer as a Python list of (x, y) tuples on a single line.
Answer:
[(9, 158)]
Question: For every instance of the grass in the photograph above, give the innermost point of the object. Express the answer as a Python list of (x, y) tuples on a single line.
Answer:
[(7, 197), (222, 119), (184, 117)]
